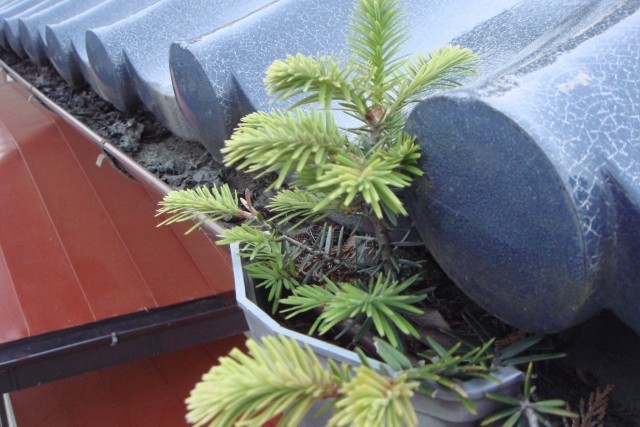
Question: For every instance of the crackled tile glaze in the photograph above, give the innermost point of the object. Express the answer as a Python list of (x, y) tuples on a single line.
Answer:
[(534, 187)]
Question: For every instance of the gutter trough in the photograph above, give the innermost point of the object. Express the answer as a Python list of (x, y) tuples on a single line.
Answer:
[(87, 279)]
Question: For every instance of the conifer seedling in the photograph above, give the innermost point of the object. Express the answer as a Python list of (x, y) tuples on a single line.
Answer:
[(346, 275)]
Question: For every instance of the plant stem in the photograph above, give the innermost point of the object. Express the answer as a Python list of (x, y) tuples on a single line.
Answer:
[(374, 119), (384, 242), (532, 418)]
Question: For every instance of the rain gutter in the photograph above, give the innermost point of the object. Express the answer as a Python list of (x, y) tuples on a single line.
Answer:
[(40, 359)]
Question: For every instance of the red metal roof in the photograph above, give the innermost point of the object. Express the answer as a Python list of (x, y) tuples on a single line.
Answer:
[(79, 243), (149, 392)]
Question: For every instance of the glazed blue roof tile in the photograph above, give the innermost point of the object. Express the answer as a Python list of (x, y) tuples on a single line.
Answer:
[(32, 27), (7, 8), (131, 57), (11, 21), (66, 44), (537, 169)]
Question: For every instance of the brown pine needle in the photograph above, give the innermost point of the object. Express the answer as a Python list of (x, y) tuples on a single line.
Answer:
[(593, 410)]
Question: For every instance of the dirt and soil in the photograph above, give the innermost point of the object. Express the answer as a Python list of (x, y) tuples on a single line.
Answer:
[(600, 352), (179, 163)]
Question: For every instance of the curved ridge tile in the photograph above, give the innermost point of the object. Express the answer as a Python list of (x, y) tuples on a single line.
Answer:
[(555, 140), (199, 102), (146, 37), (209, 73), (32, 28), (11, 10), (11, 24), (219, 77), (160, 99), (66, 45)]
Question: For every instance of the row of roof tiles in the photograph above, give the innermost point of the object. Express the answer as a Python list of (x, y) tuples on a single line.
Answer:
[(198, 65)]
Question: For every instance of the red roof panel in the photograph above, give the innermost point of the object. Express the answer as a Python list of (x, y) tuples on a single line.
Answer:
[(149, 392), (78, 242)]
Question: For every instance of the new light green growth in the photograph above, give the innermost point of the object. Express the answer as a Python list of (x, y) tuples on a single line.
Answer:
[(321, 169)]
